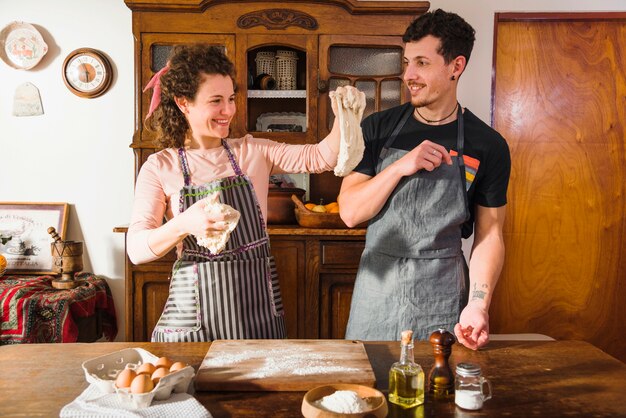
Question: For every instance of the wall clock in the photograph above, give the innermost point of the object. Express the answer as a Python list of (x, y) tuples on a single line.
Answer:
[(87, 72)]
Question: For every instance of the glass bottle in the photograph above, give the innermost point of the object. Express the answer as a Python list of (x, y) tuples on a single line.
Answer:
[(469, 387), (406, 378)]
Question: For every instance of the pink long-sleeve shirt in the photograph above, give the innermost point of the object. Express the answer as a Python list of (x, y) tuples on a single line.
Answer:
[(160, 180)]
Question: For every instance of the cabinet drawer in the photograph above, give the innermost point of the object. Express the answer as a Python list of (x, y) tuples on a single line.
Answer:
[(341, 253)]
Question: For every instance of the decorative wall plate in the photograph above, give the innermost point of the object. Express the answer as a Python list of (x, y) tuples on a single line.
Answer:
[(22, 45)]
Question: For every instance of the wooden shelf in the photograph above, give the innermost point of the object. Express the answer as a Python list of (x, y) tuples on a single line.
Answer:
[(276, 94)]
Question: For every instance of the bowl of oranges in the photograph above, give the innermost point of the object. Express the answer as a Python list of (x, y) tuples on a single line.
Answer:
[(320, 215)]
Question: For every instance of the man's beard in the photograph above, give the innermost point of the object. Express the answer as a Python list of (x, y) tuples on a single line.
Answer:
[(421, 102)]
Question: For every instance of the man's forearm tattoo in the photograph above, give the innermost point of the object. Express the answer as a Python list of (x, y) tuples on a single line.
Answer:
[(480, 293)]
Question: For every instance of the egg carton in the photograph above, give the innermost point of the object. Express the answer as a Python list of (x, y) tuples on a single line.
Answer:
[(102, 372)]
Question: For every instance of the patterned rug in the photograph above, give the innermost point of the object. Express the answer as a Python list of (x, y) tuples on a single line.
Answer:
[(32, 311)]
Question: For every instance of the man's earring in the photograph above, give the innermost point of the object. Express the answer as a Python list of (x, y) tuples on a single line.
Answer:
[(453, 78)]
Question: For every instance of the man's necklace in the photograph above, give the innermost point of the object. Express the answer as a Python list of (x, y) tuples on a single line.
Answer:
[(439, 120)]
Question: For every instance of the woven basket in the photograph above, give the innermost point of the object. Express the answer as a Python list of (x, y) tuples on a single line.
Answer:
[(310, 219), (266, 63), (286, 62)]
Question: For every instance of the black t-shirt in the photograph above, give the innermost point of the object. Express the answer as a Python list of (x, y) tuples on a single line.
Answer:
[(487, 158)]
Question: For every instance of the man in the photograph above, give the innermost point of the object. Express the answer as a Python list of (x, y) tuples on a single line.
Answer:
[(431, 172)]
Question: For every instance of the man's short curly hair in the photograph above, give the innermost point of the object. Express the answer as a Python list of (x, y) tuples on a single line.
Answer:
[(456, 35), (188, 65)]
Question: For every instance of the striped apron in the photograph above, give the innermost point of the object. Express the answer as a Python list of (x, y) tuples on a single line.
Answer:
[(231, 295), (412, 273)]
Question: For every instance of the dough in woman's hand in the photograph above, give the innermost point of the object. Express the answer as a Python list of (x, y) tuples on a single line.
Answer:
[(350, 104), (217, 242)]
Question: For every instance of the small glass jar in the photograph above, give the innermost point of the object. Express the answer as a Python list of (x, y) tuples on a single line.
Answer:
[(469, 387)]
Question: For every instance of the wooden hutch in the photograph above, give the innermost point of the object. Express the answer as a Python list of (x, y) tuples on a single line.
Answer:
[(336, 42)]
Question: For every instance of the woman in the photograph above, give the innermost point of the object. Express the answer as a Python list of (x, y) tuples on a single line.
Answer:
[(233, 294)]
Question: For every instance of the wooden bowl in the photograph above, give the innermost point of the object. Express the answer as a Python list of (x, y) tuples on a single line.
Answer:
[(310, 219), (373, 397)]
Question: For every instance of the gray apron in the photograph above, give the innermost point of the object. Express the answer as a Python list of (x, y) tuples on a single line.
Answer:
[(231, 295), (412, 273)]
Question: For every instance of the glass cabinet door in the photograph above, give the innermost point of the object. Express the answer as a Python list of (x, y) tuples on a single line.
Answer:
[(155, 50), (277, 100), (373, 64)]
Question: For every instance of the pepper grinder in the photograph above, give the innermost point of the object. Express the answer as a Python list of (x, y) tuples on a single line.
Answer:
[(441, 378)]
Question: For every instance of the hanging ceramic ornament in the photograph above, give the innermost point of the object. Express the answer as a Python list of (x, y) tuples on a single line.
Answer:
[(26, 101), (22, 45)]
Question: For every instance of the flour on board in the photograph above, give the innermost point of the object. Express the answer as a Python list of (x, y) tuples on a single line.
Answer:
[(300, 362)]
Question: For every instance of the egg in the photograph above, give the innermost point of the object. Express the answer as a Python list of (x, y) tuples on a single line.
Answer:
[(177, 366), (142, 383), (158, 374), (163, 362), (146, 368), (124, 379)]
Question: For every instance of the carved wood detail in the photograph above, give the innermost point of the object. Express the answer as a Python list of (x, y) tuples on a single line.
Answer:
[(274, 19)]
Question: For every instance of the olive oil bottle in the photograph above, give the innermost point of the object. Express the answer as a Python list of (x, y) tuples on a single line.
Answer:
[(406, 378)]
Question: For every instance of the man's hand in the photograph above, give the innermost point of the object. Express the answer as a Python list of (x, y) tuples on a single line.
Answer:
[(426, 155), (473, 328)]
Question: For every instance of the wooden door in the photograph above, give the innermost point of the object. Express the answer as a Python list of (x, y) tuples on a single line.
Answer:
[(335, 300), (150, 289), (559, 98), (339, 261), (290, 258)]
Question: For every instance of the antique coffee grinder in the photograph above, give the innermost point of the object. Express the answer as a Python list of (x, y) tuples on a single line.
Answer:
[(67, 259)]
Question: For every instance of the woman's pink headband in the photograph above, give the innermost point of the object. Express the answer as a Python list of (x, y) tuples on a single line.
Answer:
[(155, 85)]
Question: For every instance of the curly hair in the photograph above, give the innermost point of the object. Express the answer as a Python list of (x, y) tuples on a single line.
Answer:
[(187, 65), (456, 35)]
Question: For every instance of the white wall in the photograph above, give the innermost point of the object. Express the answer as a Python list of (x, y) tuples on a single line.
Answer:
[(77, 152)]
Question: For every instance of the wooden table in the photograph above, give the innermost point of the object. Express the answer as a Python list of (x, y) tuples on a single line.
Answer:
[(529, 379), (33, 311)]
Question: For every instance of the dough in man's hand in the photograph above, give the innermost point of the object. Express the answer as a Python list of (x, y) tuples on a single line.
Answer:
[(217, 242), (350, 104)]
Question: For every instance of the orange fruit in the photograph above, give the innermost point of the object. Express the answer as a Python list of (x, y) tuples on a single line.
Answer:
[(334, 209), (331, 206), (309, 206), (3, 264)]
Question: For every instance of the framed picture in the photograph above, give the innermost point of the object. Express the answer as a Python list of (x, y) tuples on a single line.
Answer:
[(24, 238)]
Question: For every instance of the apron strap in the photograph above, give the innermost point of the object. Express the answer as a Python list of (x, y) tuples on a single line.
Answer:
[(460, 135), (460, 143), (182, 157), (405, 116), (231, 158)]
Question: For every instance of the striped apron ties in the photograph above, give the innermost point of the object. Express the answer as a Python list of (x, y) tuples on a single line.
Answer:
[(231, 295)]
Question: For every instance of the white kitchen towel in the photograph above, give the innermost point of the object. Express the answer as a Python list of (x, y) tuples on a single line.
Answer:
[(93, 403)]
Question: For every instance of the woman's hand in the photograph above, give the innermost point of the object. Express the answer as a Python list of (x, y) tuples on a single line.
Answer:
[(199, 221)]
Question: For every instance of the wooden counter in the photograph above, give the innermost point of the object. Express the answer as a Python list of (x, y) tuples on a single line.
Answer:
[(539, 378)]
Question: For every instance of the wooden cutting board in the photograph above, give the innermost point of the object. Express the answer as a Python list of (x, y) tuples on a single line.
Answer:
[(283, 365)]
